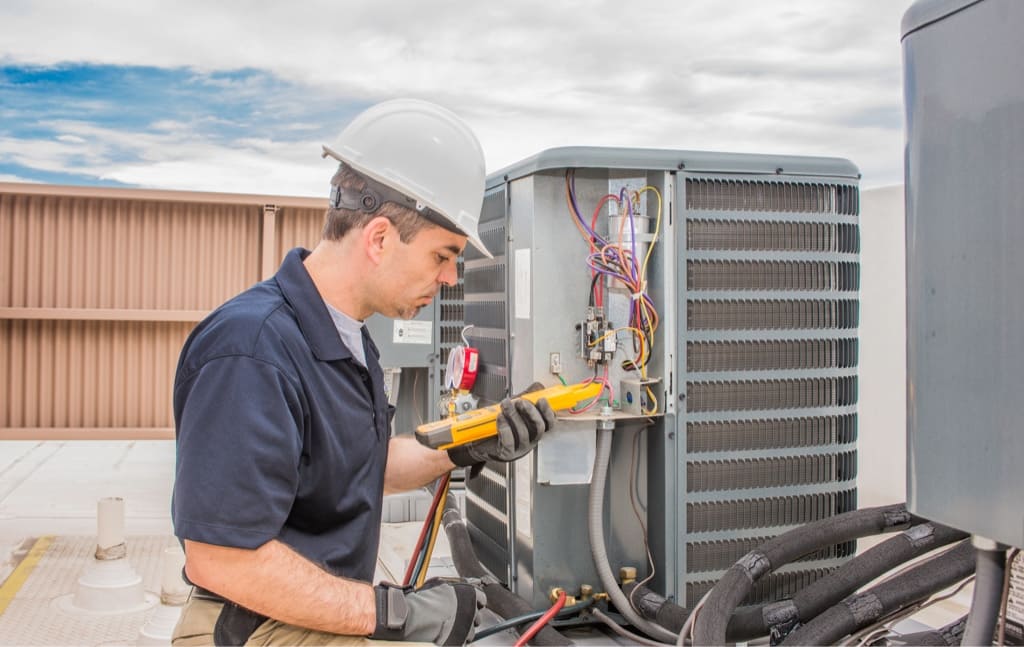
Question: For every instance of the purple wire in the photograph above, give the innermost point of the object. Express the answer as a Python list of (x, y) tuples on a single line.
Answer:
[(576, 211)]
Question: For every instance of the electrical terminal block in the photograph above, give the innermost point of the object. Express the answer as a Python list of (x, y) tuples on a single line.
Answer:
[(597, 343)]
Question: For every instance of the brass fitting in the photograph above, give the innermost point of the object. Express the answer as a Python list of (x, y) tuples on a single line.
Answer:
[(627, 574), (556, 591), (586, 591)]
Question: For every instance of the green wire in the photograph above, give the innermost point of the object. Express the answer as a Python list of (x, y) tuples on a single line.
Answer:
[(512, 623)]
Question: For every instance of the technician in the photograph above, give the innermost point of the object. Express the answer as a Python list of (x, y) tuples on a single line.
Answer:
[(283, 429)]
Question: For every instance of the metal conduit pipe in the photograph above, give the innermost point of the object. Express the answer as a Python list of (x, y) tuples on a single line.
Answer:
[(500, 600), (595, 528), (713, 619), (863, 609), (988, 592)]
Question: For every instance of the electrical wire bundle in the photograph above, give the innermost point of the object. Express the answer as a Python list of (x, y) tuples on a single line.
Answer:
[(617, 259), (416, 572)]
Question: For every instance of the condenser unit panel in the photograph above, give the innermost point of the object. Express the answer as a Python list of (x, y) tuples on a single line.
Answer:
[(755, 276), (965, 223)]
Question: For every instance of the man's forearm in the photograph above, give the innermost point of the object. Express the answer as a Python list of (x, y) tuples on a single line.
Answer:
[(411, 465), (277, 582)]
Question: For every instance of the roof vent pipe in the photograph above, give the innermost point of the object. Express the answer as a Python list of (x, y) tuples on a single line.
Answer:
[(108, 584)]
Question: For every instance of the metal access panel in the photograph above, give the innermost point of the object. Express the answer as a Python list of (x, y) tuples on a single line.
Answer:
[(755, 274), (965, 352)]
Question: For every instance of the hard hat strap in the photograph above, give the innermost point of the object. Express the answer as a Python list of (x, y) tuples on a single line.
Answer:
[(375, 194)]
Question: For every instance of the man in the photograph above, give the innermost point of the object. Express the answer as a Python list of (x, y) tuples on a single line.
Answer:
[(283, 428)]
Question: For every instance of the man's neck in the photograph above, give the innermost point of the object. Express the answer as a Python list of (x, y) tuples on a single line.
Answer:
[(337, 276)]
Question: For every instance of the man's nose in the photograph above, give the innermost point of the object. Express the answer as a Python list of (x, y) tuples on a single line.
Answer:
[(449, 274)]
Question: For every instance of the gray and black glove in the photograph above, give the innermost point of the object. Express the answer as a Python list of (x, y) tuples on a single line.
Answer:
[(442, 611), (520, 426)]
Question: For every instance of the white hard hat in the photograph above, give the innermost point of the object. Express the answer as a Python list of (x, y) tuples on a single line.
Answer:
[(426, 153)]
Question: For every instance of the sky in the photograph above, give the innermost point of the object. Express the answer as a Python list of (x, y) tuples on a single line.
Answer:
[(238, 96)]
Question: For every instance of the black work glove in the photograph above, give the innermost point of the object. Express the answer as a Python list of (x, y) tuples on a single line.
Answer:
[(442, 611), (520, 426)]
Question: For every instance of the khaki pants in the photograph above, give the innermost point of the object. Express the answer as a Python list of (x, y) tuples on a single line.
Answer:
[(195, 627)]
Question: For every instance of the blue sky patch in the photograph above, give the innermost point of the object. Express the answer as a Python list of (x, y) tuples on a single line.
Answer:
[(54, 109)]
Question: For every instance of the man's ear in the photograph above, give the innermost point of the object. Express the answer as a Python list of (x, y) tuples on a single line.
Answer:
[(375, 238)]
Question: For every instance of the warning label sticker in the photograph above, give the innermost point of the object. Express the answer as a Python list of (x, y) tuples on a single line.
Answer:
[(413, 332)]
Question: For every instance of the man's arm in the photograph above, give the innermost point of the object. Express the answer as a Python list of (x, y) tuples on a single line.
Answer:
[(412, 465), (277, 582)]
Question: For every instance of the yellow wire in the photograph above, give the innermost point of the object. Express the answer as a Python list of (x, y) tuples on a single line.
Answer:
[(639, 359), (657, 231), (651, 312), (615, 331), (433, 535), (650, 396)]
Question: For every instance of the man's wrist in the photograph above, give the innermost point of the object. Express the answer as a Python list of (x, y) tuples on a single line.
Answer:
[(391, 612), (461, 456)]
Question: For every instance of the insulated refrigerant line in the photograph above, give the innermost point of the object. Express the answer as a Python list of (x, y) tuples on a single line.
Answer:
[(595, 526)]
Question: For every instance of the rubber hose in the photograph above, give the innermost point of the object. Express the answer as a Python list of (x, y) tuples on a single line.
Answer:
[(713, 619), (988, 597), (499, 599), (595, 528), (862, 609), (948, 636), (755, 621)]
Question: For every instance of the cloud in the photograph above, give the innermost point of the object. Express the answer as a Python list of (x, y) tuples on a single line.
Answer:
[(805, 77)]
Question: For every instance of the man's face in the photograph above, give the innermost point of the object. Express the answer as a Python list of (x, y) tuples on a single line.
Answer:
[(412, 273)]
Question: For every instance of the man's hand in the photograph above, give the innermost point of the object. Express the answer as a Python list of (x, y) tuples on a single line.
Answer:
[(520, 426), (445, 612)]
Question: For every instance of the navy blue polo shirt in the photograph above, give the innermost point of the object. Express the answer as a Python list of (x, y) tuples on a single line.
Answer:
[(281, 434)]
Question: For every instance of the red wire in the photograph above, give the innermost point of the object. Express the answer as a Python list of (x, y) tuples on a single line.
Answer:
[(543, 620), (427, 523)]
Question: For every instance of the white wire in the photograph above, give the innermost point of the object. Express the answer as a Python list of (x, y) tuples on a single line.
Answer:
[(902, 614), (690, 619), (625, 633)]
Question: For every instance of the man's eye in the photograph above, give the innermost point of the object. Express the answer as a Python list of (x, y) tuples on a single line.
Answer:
[(441, 259)]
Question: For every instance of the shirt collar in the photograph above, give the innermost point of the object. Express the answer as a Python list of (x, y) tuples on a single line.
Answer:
[(310, 311)]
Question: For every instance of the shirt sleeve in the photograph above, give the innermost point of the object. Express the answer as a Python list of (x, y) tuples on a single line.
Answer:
[(240, 430)]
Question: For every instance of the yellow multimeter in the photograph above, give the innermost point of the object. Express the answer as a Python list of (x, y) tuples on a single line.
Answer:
[(482, 423)]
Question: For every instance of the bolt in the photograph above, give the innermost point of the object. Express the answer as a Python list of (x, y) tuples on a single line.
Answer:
[(586, 591)]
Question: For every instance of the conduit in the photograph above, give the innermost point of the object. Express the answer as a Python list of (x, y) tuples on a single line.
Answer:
[(988, 592), (595, 527)]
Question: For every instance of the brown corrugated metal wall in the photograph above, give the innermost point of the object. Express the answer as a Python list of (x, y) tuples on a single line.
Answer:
[(100, 287)]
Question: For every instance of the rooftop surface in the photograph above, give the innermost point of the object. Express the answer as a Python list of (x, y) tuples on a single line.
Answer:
[(50, 490)]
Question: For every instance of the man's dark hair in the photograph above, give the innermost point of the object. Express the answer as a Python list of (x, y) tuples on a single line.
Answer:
[(338, 222)]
